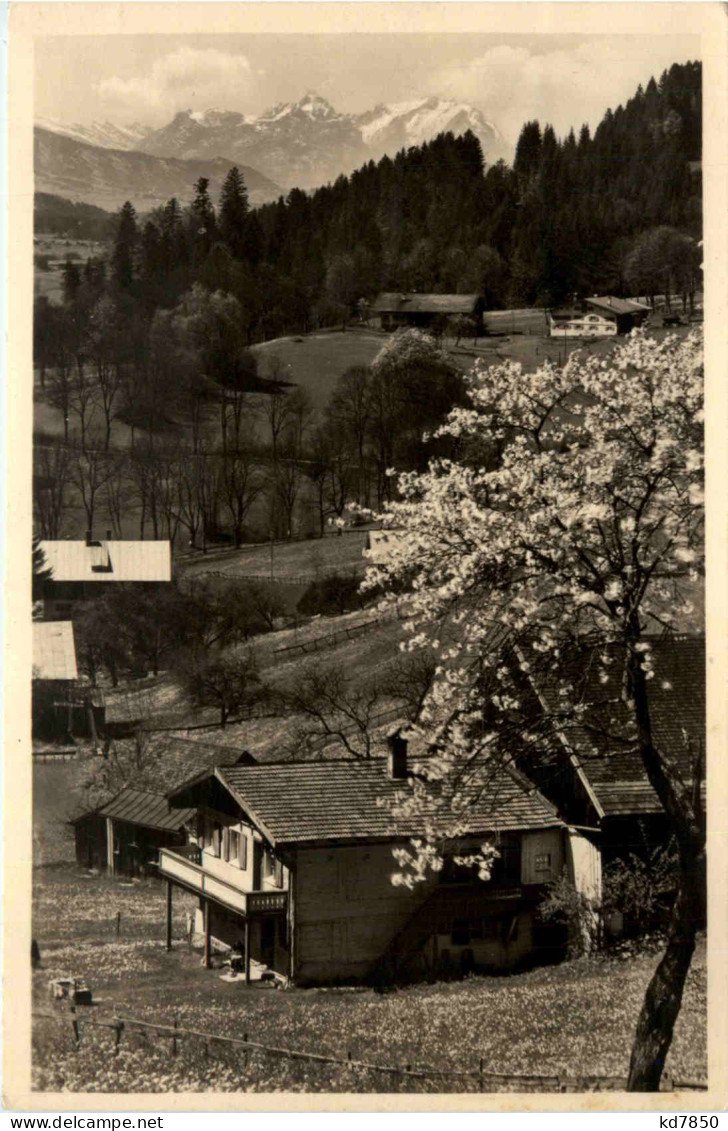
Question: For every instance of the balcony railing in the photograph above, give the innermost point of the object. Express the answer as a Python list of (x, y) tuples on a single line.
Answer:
[(173, 865)]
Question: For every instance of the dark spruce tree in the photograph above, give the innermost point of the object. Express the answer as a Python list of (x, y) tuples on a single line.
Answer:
[(123, 259), (234, 213)]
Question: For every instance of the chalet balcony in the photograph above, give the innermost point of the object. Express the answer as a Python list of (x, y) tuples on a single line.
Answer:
[(182, 866)]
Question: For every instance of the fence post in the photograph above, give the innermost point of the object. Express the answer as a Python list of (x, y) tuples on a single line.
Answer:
[(174, 1038), (76, 1031), (118, 923), (480, 1075), (117, 1037)]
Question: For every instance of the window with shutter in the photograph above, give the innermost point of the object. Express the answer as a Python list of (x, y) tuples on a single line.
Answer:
[(277, 873), (216, 839), (226, 843), (243, 850)]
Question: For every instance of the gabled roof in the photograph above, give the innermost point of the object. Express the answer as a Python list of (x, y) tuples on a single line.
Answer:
[(54, 651), (613, 767), (299, 803), (108, 561), (616, 305), (396, 302), (142, 807)]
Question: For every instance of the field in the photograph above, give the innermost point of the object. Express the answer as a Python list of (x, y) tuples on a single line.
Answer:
[(285, 561), (581, 1014), (317, 361), (50, 254)]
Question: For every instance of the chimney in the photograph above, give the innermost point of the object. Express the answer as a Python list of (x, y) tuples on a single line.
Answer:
[(89, 537), (397, 757)]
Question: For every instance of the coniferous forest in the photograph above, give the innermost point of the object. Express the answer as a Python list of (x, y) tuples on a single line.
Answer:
[(571, 215)]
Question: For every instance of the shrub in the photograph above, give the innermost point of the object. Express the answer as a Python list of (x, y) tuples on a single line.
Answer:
[(640, 889), (579, 914)]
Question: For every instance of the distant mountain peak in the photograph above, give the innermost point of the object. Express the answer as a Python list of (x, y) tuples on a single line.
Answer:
[(316, 106)]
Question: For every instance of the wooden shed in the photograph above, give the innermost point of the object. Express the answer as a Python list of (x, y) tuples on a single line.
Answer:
[(124, 835)]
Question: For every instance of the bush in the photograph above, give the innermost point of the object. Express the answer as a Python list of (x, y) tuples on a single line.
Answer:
[(579, 914), (641, 890)]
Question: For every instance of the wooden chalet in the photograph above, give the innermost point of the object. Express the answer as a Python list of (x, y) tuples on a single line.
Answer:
[(625, 313), (397, 310), (294, 861), (82, 570), (577, 324)]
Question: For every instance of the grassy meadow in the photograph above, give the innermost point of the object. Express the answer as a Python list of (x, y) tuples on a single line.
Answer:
[(581, 1014)]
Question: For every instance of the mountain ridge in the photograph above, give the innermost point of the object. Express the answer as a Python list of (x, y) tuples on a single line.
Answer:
[(79, 171), (306, 143)]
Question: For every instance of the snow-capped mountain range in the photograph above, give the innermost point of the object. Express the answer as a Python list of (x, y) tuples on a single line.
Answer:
[(103, 134), (304, 143)]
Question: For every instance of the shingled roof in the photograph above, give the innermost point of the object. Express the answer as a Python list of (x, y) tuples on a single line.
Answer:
[(142, 807), (349, 800), (614, 768), (610, 304)]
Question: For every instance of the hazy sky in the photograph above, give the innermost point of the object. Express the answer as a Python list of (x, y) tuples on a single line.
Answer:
[(566, 80)]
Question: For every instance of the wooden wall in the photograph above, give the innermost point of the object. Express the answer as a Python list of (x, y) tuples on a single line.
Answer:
[(542, 856), (347, 910)]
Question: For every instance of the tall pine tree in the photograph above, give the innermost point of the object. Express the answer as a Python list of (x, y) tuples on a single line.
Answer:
[(233, 216), (123, 260)]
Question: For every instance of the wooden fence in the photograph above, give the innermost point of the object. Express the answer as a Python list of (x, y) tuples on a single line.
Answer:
[(330, 640), (482, 1077)]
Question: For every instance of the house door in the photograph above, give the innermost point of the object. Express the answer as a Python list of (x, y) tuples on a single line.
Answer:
[(257, 865)]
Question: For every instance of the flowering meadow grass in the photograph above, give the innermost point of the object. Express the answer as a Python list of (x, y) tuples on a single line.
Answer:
[(577, 1018)]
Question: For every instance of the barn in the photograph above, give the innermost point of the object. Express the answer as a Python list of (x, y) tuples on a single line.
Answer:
[(424, 311)]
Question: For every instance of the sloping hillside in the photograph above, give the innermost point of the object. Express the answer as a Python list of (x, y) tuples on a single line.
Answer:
[(108, 177)]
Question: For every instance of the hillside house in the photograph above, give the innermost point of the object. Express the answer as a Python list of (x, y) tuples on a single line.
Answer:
[(296, 860), (423, 311), (82, 570), (123, 836), (624, 313)]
